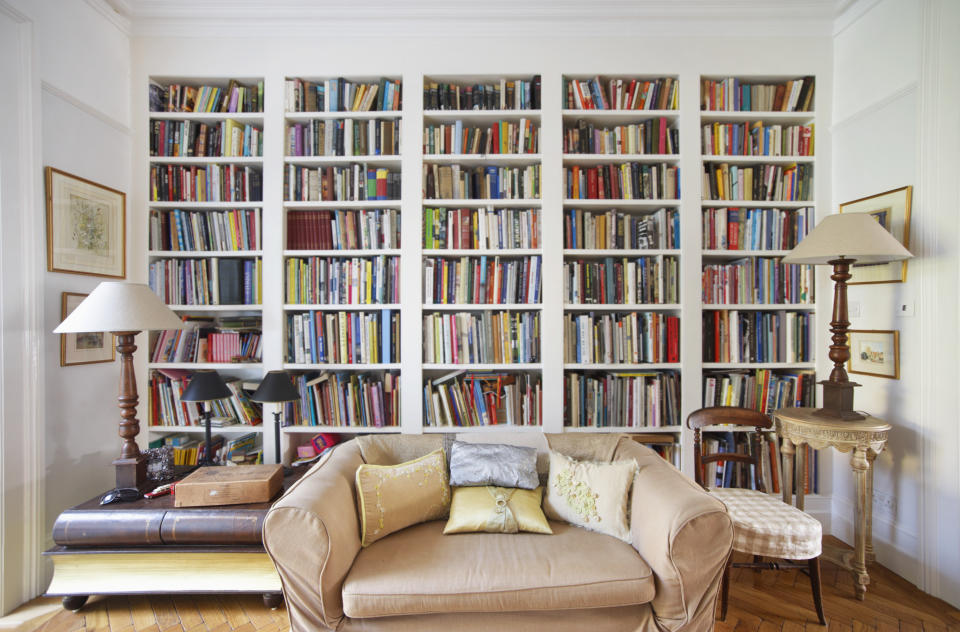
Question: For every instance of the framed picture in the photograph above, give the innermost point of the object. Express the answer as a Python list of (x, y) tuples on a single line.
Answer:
[(82, 348), (874, 352), (892, 210), (86, 226)]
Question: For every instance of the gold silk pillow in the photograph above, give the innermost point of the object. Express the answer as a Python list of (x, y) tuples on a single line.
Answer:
[(393, 497), (590, 495), (496, 510)]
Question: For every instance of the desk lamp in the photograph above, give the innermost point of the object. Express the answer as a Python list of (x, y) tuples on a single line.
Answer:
[(206, 386), (276, 388)]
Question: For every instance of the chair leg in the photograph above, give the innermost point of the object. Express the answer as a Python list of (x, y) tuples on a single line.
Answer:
[(756, 571), (814, 567), (725, 588)]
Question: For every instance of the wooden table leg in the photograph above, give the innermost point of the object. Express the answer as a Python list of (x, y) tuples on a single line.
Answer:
[(870, 556), (799, 475), (861, 467), (786, 471)]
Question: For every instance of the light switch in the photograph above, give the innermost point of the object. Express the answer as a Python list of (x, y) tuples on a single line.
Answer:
[(906, 309)]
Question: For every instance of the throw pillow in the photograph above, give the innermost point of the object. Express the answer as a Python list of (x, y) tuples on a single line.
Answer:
[(496, 510), (493, 464), (393, 497), (590, 495)]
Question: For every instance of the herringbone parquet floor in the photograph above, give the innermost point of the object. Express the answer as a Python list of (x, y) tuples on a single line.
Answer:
[(777, 600)]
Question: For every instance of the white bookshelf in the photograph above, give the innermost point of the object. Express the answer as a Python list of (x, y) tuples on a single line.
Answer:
[(551, 118)]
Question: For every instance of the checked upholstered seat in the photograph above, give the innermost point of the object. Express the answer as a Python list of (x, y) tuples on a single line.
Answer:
[(765, 525)]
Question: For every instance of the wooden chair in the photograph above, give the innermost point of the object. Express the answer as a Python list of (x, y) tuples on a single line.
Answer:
[(763, 525)]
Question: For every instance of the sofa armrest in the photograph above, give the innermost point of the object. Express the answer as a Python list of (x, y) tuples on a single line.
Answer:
[(685, 536), (312, 533)]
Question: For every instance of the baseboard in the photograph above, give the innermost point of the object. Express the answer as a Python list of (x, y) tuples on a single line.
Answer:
[(29, 616), (896, 548)]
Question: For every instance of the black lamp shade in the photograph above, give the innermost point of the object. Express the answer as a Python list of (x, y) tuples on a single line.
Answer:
[(205, 386), (276, 387)]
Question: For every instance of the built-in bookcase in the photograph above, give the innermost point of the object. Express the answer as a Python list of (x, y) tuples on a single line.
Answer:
[(563, 252)]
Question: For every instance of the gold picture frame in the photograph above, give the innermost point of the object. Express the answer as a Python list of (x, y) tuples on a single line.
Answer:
[(874, 352), (86, 226), (89, 348), (892, 210)]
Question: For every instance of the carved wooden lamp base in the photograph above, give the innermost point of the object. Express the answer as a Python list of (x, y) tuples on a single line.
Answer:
[(838, 401)]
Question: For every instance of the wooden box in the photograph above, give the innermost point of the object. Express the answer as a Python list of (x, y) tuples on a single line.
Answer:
[(229, 485)]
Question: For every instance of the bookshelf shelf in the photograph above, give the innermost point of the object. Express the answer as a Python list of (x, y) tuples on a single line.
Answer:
[(710, 116), (327, 307), (479, 116), (211, 206), (573, 366), (298, 117), (496, 203), (482, 367), (195, 254), (618, 204), (591, 160), (250, 118), (317, 205), (207, 160), (214, 366), (341, 367), (301, 429), (232, 429), (739, 254), (482, 252), (757, 160), (614, 307), (475, 307), (370, 252), (758, 365), (762, 306), (630, 429), (317, 161), (480, 429), (757, 203), (478, 160), (215, 308)]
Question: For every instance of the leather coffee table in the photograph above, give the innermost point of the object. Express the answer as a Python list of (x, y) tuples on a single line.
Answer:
[(150, 546)]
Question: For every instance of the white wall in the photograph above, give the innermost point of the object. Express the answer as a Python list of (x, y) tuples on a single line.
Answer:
[(879, 135), (79, 96)]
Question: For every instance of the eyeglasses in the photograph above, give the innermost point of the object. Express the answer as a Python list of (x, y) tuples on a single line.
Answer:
[(121, 495)]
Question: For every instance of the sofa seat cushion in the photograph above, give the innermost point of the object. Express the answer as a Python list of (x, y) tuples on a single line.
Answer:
[(419, 571)]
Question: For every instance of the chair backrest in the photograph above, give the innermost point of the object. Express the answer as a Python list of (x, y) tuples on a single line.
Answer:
[(733, 416)]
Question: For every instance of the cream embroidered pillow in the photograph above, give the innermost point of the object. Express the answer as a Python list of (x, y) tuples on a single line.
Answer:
[(590, 495), (393, 497)]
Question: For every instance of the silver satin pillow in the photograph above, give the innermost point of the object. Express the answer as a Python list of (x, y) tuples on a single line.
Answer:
[(495, 464)]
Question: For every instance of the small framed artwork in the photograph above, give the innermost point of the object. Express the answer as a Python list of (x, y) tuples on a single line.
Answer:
[(874, 352), (86, 226), (86, 348), (892, 210)]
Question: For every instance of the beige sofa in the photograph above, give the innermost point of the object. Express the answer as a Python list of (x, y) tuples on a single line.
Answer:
[(418, 579)]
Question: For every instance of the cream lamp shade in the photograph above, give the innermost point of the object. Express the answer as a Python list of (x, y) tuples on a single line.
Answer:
[(856, 236), (120, 306)]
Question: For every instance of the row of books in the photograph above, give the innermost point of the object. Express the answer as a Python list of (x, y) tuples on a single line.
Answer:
[(481, 337), (210, 183), (481, 228), (743, 475), (621, 400), (625, 181), (763, 389), (504, 94), (342, 281), (483, 398), (343, 337), (188, 449), (345, 400), (736, 95), (168, 409), (756, 280), (191, 138), (204, 231), (501, 137), (772, 183), (207, 339), (621, 281), (617, 230), (757, 139), (236, 97), (757, 336), (621, 338), (669, 450), (348, 183), (621, 94), (212, 281), (755, 228), (344, 137), (481, 280), (492, 182), (342, 95), (652, 136), (343, 229)]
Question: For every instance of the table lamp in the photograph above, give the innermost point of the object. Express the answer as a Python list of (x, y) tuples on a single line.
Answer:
[(123, 309), (206, 386), (276, 388), (840, 240)]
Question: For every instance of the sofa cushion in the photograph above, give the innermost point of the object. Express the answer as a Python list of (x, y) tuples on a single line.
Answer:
[(496, 464), (419, 571)]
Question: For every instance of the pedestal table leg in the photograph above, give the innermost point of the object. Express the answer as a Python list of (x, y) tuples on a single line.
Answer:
[(861, 467), (870, 556)]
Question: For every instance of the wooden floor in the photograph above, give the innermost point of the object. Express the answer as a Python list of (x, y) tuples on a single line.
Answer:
[(779, 600)]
